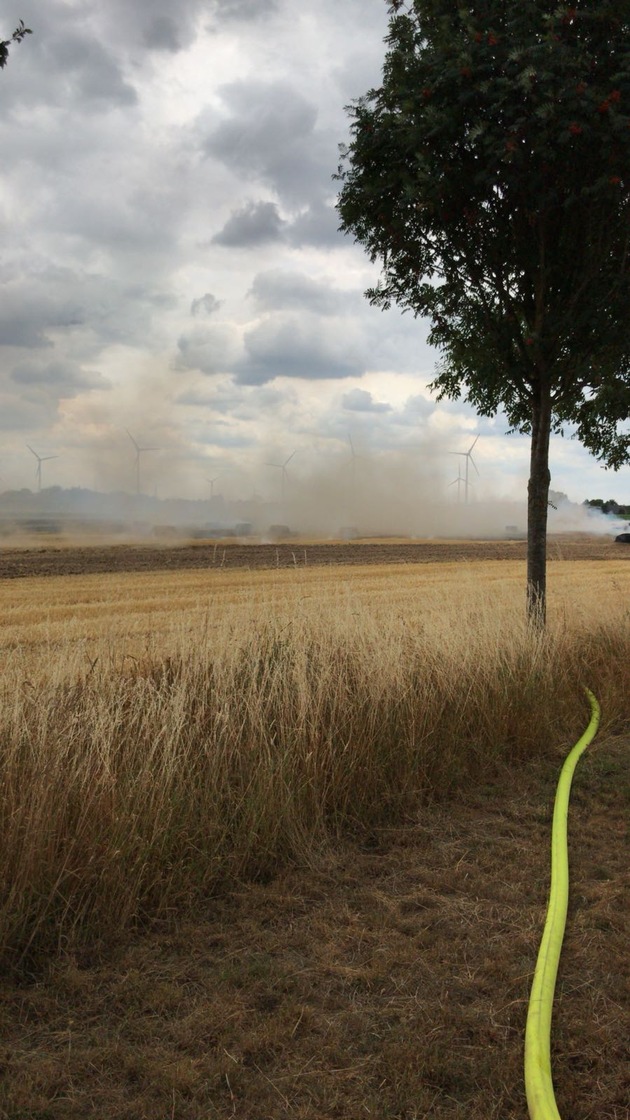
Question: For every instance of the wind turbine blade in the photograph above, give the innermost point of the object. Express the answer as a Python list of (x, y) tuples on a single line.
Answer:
[(290, 458), (33, 452), (473, 444), (132, 439), (473, 462)]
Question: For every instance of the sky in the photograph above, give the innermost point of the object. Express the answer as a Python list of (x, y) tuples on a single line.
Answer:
[(171, 265)]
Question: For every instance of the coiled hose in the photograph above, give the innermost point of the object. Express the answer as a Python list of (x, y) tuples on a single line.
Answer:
[(541, 1100)]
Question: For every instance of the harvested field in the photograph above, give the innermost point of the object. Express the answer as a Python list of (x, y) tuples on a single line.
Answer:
[(275, 842), (79, 559), (59, 625)]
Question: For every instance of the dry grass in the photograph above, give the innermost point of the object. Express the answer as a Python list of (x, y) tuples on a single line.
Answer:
[(367, 760), (164, 735), (388, 980)]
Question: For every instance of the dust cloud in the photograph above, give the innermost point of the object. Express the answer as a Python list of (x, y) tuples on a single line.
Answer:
[(396, 494)]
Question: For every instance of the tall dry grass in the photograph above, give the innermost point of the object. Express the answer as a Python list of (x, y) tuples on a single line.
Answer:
[(270, 717)]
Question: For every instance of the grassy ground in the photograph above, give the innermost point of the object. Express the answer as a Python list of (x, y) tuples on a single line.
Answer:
[(276, 843), (388, 979)]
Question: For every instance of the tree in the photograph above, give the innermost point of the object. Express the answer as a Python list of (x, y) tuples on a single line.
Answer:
[(611, 506), (17, 36), (490, 176)]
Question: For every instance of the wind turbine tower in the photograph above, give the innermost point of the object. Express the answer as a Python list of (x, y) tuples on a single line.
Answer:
[(139, 451), (467, 455), (38, 470), (284, 478), (458, 482), (353, 463)]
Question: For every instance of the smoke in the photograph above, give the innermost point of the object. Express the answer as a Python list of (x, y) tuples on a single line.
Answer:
[(572, 518), (320, 492)]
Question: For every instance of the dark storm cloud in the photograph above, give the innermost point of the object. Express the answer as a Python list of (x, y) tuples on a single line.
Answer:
[(279, 289), (89, 71), (317, 225), (359, 400), (56, 304), (297, 345), (63, 378), (163, 34), (28, 313), (161, 26), (22, 330), (66, 62), (205, 305), (155, 25), (270, 135), (256, 223)]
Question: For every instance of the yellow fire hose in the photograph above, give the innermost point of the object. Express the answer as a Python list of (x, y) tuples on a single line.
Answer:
[(541, 1100)]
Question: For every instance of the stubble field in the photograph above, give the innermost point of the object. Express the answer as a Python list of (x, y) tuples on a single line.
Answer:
[(46, 556), (275, 842)]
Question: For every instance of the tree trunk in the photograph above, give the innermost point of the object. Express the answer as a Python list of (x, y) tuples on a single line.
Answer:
[(537, 503)]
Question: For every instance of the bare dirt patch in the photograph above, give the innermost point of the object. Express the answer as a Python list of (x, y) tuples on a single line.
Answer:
[(73, 559), (388, 980)]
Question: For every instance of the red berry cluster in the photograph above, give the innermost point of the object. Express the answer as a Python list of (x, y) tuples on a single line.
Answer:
[(613, 97)]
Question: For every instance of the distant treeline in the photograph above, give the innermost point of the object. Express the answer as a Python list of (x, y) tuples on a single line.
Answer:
[(611, 506)]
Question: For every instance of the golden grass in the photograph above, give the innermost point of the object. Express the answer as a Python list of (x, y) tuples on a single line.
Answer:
[(164, 733)]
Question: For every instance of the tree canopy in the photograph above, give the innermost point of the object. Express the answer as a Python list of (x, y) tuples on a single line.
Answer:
[(20, 32), (490, 176)]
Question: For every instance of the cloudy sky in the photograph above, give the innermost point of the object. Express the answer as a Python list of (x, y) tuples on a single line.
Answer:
[(170, 261)]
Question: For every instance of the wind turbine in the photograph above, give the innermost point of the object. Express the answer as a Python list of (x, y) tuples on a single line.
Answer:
[(354, 457), (139, 452), (38, 470), (458, 481), (353, 461), (469, 459), (283, 467), (212, 482)]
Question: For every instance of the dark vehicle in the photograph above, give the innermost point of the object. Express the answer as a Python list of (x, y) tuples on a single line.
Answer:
[(623, 538)]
